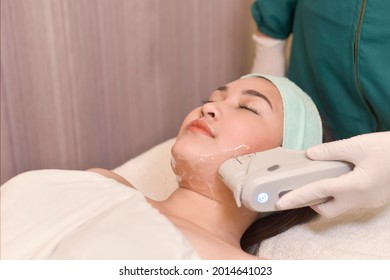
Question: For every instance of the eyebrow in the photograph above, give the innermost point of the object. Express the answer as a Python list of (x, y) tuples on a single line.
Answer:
[(249, 92)]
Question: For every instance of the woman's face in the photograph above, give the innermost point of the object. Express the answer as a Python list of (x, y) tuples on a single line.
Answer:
[(242, 117)]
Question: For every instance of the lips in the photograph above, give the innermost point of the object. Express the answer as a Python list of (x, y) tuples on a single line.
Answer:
[(200, 126)]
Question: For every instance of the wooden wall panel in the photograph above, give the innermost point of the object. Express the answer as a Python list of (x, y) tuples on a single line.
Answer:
[(87, 83)]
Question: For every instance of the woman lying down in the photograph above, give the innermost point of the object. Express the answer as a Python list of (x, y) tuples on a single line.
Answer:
[(96, 214)]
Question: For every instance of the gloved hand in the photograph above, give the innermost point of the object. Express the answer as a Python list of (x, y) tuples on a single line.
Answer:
[(269, 55), (366, 186)]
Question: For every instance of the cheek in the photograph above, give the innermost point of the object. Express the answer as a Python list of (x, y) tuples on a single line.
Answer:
[(257, 135)]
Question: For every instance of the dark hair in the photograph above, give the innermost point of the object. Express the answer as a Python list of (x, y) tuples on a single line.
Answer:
[(278, 222)]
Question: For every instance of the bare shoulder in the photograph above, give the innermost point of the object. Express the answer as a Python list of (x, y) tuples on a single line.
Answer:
[(109, 174)]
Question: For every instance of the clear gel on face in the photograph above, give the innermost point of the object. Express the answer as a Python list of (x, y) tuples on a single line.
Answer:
[(200, 173)]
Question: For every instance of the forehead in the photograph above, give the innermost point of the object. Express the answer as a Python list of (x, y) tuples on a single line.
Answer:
[(259, 84), (256, 83)]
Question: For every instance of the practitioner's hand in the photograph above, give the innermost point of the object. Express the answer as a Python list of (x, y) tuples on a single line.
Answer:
[(269, 55), (366, 186)]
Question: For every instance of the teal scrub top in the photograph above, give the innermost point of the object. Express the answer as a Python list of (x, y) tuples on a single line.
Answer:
[(340, 56)]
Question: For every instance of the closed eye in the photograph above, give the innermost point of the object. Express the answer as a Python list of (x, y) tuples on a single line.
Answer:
[(251, 109), (246, 107)]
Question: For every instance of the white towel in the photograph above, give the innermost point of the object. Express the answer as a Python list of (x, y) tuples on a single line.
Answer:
[(59, 214), (357, 234)]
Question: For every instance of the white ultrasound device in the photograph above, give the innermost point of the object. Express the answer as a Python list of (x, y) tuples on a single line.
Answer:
[(259, 179)]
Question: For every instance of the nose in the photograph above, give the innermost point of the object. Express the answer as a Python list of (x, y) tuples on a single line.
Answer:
[(210, 110)]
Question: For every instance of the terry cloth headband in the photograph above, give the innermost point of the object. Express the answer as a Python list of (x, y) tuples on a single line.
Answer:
[(302, 122)]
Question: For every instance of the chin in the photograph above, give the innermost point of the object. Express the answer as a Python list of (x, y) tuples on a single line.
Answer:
[(189, 152), (193, 145)]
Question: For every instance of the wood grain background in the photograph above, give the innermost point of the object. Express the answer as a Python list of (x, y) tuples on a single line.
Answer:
[(93, 83)]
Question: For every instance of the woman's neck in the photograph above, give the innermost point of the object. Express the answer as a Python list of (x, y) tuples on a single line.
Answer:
[(221, 219)]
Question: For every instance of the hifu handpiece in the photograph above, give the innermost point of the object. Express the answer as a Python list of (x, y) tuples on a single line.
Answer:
[(258, 180)]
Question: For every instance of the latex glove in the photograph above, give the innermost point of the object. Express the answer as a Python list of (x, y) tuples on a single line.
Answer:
[(269, 55), (366, 186)]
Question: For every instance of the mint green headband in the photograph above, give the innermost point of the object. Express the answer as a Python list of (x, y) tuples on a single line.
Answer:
[(302, 122)]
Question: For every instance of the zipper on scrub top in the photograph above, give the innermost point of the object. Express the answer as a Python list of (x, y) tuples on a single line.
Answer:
[(356, 45)]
